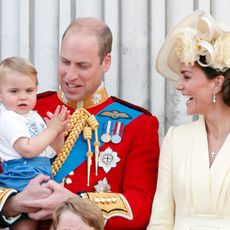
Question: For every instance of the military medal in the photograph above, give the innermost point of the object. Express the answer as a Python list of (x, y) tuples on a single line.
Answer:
[(107, 129), (117, 132), (108, 159), (103, 186)]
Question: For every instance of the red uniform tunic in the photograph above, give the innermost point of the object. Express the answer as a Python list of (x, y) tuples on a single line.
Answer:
[(135, 175)]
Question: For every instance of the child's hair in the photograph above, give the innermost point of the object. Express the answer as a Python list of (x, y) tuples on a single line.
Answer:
[(20, 65), (89, 212)]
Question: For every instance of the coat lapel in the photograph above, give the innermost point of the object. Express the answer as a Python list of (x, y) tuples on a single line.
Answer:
[(200, 167), (219, 174)]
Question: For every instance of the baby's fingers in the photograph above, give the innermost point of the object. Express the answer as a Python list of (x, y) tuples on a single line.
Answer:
[(49, 114), (65, 113), (57, 110)]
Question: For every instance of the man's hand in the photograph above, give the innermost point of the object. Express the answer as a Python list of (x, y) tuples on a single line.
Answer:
[(45, 206), (34, 190)]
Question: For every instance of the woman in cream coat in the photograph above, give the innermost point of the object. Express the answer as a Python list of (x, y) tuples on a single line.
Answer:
[(193, 190)]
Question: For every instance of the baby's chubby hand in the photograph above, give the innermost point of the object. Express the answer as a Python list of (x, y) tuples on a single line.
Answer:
[(59, 119)]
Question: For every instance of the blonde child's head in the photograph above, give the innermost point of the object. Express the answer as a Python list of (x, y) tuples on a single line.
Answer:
[(18, 84), (20, 65), (87, 213)]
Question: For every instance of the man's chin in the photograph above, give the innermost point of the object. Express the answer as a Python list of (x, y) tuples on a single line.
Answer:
[(72, 97)]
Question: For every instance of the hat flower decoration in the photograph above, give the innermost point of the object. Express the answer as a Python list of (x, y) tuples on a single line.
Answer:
[(191, 44), (195, 36)]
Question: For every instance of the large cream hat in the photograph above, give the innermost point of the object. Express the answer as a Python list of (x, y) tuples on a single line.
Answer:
[(199, 35)]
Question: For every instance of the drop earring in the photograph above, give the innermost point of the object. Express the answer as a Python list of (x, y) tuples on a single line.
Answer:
[(214, 97)]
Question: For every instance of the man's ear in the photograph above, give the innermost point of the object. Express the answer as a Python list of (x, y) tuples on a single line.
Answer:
[(218, 82), (107, 62)]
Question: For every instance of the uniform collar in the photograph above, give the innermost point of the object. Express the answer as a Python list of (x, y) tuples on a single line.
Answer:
[(95, 99)]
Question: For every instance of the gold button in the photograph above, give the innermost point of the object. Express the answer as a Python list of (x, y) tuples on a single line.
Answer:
[(114, 199), (108, 200), (102, 200), (68, 181), (71, 173)]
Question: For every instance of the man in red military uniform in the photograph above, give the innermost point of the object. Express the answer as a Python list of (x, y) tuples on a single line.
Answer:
[(111, 151)]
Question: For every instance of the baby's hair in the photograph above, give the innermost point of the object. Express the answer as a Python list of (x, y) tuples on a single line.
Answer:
[(86, 209), (20, 65)]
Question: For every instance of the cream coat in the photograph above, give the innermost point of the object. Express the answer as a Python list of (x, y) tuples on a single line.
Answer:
[(190, 195)]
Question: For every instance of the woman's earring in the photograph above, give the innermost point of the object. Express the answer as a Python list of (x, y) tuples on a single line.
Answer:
[(214, 97)]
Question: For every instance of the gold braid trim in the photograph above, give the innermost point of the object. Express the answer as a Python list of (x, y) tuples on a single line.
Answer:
[(93, 123), (77, 123), (4, 194), (87, 135), (111, 204)]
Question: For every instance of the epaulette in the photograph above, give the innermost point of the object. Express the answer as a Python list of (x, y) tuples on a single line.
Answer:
[(45, 94), (132, 105)]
